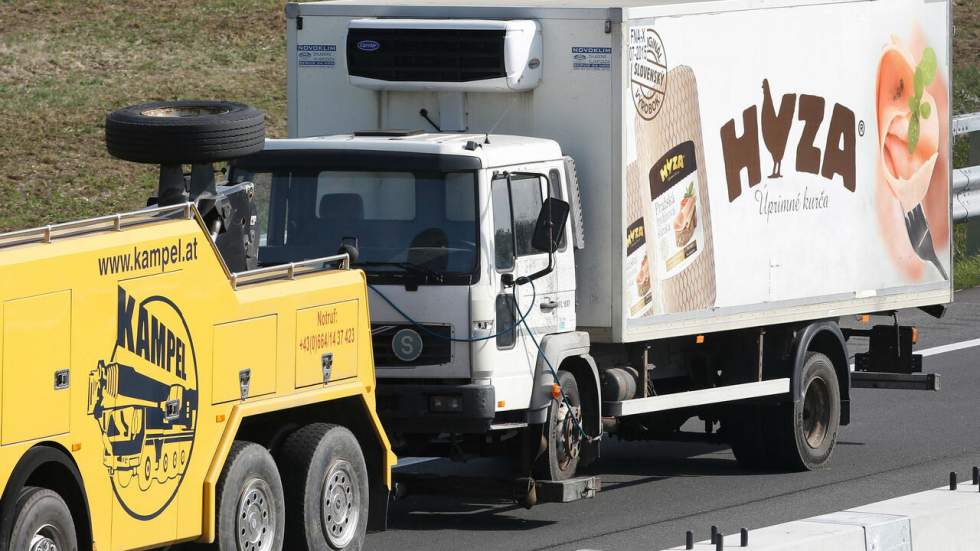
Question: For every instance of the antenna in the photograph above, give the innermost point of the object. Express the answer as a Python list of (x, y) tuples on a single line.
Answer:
[(500, 119), (424, 113)]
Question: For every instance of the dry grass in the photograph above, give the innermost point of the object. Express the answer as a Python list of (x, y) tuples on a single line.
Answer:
[(65, 63)]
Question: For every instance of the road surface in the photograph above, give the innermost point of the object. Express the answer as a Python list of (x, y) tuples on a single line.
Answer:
[(898, 442)]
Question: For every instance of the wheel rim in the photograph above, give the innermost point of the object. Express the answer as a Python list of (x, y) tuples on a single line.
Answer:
[(256, 520), (340, 507), (46, 538), (181, 112), (566, 435), (816, 412)]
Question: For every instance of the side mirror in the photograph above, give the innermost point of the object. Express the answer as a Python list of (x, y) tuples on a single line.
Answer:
[(550, 227)]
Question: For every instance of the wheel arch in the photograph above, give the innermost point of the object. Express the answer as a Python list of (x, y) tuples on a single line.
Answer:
[(825, 337), (48, 465), (269, 426), (569, 351)]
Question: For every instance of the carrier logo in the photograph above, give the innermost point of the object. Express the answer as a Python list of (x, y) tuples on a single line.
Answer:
[(368, 45), (837, 157), (144, 398)]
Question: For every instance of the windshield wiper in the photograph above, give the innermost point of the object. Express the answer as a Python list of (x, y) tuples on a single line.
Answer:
[(408, 267)]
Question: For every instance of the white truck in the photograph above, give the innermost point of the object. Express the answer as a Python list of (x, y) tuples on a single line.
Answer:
[(612, 218)]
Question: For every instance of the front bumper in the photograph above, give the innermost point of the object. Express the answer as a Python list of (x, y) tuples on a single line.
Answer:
[(434, 409)]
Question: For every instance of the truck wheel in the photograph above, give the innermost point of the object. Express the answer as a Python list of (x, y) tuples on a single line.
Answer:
[(184, 132), (562, 437), (250, 505), (816, 416), (326, 483), (744, 429), (42, 522)]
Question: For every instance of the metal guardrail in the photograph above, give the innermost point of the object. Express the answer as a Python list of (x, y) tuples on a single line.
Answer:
[(966, 181)]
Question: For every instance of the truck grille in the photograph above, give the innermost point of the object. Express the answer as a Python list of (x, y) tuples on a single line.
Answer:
[(426, 55), (435, 350)]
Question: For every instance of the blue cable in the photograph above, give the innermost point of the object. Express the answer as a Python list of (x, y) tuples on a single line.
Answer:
[(522, 321), (431, 333)]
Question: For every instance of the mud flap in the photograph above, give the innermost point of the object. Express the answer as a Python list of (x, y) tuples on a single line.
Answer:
[(378, 503)]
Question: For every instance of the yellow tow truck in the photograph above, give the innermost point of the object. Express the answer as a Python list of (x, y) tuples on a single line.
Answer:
[(158, 387)]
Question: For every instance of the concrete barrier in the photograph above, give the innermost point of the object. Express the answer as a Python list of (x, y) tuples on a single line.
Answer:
[(934, 520)]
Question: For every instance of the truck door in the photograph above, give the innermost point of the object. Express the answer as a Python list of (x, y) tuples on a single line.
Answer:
[(564, 274), (516, 202)]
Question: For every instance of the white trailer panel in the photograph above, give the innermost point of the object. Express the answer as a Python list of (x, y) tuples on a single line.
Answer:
[(742, 163)]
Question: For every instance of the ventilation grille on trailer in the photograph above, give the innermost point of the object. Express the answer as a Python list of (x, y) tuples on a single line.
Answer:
[(426, 55)]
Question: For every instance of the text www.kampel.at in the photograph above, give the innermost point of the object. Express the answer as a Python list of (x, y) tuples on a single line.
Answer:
[(145, 259)]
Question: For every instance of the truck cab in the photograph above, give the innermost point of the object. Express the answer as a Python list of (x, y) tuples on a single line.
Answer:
[(442, 224)]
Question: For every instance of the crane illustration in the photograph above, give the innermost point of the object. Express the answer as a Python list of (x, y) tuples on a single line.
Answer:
[(147, 425)]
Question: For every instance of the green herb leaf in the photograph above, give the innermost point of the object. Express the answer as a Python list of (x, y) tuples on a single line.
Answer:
[(920, 84), (925, 73), (928, 65), (690, 190), (925, 109), (913, 134)]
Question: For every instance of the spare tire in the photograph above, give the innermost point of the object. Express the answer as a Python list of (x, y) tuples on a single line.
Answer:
[(184, 131)]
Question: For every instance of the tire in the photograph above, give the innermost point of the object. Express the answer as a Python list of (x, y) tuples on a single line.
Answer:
[(797, 436), (745, 430), (815, 417), (563, 441), (322, 462), (184, 132), (41, 513), (250, 505)]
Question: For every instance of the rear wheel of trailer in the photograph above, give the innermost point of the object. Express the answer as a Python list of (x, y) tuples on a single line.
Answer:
[(250, 504), (794, 435), (326, 483)]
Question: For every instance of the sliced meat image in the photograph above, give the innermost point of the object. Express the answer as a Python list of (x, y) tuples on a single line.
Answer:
[(909, 143), (685, 222)]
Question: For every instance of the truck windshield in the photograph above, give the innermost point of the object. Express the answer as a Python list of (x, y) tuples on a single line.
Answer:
[(405, 224)]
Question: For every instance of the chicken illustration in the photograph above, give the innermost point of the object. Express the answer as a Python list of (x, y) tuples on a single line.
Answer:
[(775, 127)]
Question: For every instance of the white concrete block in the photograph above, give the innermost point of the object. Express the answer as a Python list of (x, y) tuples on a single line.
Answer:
[(939, 519), (794, 536)]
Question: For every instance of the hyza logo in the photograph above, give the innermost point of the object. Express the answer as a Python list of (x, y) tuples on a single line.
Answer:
[(648, 71), (837, 158), (144, 398)]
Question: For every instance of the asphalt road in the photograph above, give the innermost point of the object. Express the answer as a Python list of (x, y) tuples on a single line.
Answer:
[(898, 442)]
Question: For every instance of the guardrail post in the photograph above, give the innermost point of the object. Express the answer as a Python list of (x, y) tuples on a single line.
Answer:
[(973, 224)]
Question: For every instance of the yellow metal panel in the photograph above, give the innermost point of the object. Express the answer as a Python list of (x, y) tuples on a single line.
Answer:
[(37, 336), (144, 317), (331, 329), (241, 345)]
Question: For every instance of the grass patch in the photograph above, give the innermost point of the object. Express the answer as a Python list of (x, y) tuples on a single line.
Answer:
[(60, 78), (966, 99)]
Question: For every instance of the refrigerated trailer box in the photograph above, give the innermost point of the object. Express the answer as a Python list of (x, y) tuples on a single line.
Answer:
[(741, 162)]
